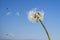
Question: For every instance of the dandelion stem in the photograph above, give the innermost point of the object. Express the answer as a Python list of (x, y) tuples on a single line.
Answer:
[(45, 29)]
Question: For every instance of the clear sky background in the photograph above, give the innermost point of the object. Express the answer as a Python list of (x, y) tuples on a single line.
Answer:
[(14, 21)]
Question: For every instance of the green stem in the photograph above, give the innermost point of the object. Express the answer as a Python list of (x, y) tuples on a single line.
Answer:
[(45, 29)]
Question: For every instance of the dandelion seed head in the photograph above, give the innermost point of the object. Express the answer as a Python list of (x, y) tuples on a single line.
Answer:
[(32, 13)]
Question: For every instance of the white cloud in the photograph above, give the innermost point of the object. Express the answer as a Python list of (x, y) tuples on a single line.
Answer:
[(17, 13)]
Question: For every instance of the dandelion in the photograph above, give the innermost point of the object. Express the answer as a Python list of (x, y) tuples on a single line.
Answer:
[(35, 16)]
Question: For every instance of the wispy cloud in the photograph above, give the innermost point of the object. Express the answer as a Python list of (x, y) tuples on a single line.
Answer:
[(6, 36), (17, 13), (8, 13)]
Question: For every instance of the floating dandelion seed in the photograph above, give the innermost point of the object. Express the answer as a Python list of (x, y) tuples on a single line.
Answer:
[(8, 12)]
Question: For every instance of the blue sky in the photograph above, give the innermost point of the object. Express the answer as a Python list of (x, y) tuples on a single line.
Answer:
[(14, 22)]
